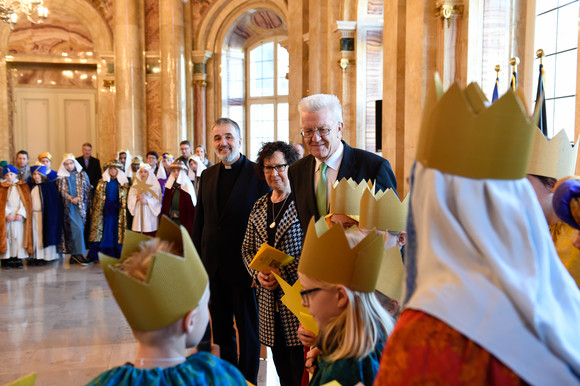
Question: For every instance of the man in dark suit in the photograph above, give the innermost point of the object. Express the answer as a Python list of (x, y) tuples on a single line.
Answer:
[(91, 165), (330, 159), (227, 193)]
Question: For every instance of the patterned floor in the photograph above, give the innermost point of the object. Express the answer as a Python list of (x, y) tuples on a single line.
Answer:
[(61, 321)]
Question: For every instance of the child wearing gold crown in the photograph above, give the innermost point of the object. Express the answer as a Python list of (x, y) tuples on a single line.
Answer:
[(165, 319), (487, 300), (179, 199), (338, 270)]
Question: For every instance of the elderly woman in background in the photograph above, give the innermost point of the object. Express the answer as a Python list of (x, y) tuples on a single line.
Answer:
[(274, 221)]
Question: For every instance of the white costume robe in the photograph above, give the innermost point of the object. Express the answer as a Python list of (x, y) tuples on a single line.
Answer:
[(145, 216), (15, 229)]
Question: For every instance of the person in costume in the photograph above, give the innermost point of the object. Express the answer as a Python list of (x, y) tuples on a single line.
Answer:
[(152, 157), (125, 158), (45, 158), (163, 170), (47, 217), (344, 207), (338, 270), (74, 188), (179, 199), (165, 320), (384, 213), (16, 227), (551, 160), (135, 163), (109, 212), (144, 201), (566, 203), (194, 169), (487, 300), (273, 220)]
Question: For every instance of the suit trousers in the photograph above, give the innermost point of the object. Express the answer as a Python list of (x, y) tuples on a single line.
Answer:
[(229, 300)]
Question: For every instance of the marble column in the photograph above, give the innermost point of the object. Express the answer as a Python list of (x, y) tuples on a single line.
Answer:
[(173, 87), (296, 68), (319, 16), (200, 59), (4, 113), (352, 134), (130, 104)]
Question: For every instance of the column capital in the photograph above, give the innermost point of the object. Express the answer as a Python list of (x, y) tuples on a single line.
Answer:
[(347, 29), (201, 56)]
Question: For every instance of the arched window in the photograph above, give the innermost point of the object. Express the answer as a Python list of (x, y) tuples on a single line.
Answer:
[(267, 94), (557, 35)]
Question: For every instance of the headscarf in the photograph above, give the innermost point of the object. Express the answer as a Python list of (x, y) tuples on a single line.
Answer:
[(161, 174), (62, 172), (121, 176), (200, 167), (185, 183), (127, 165), (480, 258), (151, 179)]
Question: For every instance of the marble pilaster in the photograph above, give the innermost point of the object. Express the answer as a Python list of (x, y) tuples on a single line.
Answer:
[(296, 51), (200, 59), (130, 75), (346, 33), (173, 87), (4, 112)]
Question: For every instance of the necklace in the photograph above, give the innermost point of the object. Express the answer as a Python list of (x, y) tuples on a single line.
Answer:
[(273, 224)]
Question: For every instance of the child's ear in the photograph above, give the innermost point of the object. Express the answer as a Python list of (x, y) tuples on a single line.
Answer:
[(189, 322), (402, 238), (342, 297)]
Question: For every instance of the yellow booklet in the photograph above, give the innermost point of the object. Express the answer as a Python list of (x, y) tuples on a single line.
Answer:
[(268, 258)]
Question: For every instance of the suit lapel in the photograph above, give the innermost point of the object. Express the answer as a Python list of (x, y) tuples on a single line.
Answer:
[(210, 179), (348, 163), (244, 176)]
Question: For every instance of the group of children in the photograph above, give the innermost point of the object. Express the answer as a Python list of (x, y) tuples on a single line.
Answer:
[(56, 213)]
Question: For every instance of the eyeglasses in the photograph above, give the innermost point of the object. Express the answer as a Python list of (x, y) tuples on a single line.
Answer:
[(279, 168), (321, 131), (305, 293)]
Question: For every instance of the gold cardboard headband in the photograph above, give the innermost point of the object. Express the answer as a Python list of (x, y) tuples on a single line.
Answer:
[(345, 196), (555, 158), (391, 274), (383, 211), (174, 284), (460, 135), (327, 256)]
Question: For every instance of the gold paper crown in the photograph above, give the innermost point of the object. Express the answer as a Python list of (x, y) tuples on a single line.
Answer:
[(177, 165), (137, 160), (392, 273), (461, 136), (66, 156), (383, 211), (345, 197), (327, 256), (554, 158), (115, 164), (45, 155), (174, 284)]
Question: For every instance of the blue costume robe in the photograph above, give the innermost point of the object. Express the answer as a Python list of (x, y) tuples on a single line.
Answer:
[(198, 369), (52, 214)]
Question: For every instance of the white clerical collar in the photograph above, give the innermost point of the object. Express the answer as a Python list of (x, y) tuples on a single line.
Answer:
[(334, 160)]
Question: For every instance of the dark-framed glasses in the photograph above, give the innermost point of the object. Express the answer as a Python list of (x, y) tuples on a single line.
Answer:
[(279, 168), (305, 293), (321, 131)]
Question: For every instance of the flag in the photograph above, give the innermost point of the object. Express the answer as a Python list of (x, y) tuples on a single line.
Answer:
[(495, 90), (514, 81), (543, 121)]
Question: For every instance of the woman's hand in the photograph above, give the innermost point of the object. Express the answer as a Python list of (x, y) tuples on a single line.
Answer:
[(268, 281)]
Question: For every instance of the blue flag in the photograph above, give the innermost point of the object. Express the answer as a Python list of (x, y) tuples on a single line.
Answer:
[(543, 121), (495, 91)]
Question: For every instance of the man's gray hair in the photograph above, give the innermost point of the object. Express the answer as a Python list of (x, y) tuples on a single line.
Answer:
[(317, 102)]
